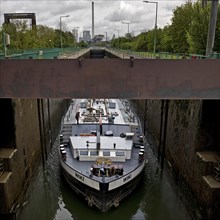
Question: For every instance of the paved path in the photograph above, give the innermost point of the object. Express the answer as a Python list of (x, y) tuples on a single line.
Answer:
[(76, 55)]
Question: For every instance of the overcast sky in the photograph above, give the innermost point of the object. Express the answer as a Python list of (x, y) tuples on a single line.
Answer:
[(108, 14)]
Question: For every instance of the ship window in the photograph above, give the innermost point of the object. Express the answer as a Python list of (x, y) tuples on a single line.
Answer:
[(106, 153), (120, 154), (84, 153), (83, 104), (94, 153), (112, 105)]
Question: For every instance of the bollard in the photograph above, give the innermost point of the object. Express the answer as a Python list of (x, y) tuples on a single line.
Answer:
[(63, 155), (141, 156)]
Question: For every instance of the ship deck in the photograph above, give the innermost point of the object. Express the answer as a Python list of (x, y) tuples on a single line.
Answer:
[(84, 166), (123, 124)]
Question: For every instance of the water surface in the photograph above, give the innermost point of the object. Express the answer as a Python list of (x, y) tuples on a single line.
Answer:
[(49, 197)]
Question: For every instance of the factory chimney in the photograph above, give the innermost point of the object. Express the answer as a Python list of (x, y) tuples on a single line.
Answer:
[(92, 20)]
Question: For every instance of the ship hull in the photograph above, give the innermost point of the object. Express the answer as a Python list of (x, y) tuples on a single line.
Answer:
[(101, 153), (104, 199)]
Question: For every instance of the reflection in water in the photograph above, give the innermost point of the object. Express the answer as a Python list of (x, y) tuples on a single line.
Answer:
[(62, 212), (49, 197)]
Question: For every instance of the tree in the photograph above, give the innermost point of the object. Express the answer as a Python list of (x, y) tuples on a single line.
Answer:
[(141, 42), (82, 44), (186, 34), (181, 23), (15, 36), (197, 34), (217, 33), (22, 37), (68, 39), (166, 39), (150, 40)]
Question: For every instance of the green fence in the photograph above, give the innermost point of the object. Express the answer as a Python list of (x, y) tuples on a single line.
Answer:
[(51, 53), (166, 55)]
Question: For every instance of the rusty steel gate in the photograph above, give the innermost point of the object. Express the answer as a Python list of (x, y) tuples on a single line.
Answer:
[(110, 78)]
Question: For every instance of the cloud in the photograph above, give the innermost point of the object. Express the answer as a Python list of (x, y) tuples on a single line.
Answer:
[(108, 13)]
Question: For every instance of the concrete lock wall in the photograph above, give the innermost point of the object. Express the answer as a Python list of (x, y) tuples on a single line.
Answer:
[(36, 123), (28, 116), (26, 144), (51, 111), (184, 138)]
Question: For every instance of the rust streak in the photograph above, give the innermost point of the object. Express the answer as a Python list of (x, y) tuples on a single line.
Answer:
[(110, 78)]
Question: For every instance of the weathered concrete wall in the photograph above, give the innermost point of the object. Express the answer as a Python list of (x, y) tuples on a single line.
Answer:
[(52, 111), (182, 129), (27, 134), (150, 112), (28, 144), (186, 126)]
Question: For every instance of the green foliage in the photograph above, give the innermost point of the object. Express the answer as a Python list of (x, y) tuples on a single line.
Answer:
[(141, 42), (22, 37), (217, 33), (197, 33), (82, 44), (166, 39), (181, 23), (186, 34), (150, 40)]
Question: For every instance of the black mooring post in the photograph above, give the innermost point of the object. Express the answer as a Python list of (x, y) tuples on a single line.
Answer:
[(49, 123), (41, 133), (145, 116), (44, 130), (164, 132), (161, 130)]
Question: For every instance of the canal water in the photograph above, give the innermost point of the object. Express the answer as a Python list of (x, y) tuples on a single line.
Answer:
[(49, 197)]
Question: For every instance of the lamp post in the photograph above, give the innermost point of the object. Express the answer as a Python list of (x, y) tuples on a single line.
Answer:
[(61, 41), (127, 24), (118, 32), (155, 28)]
